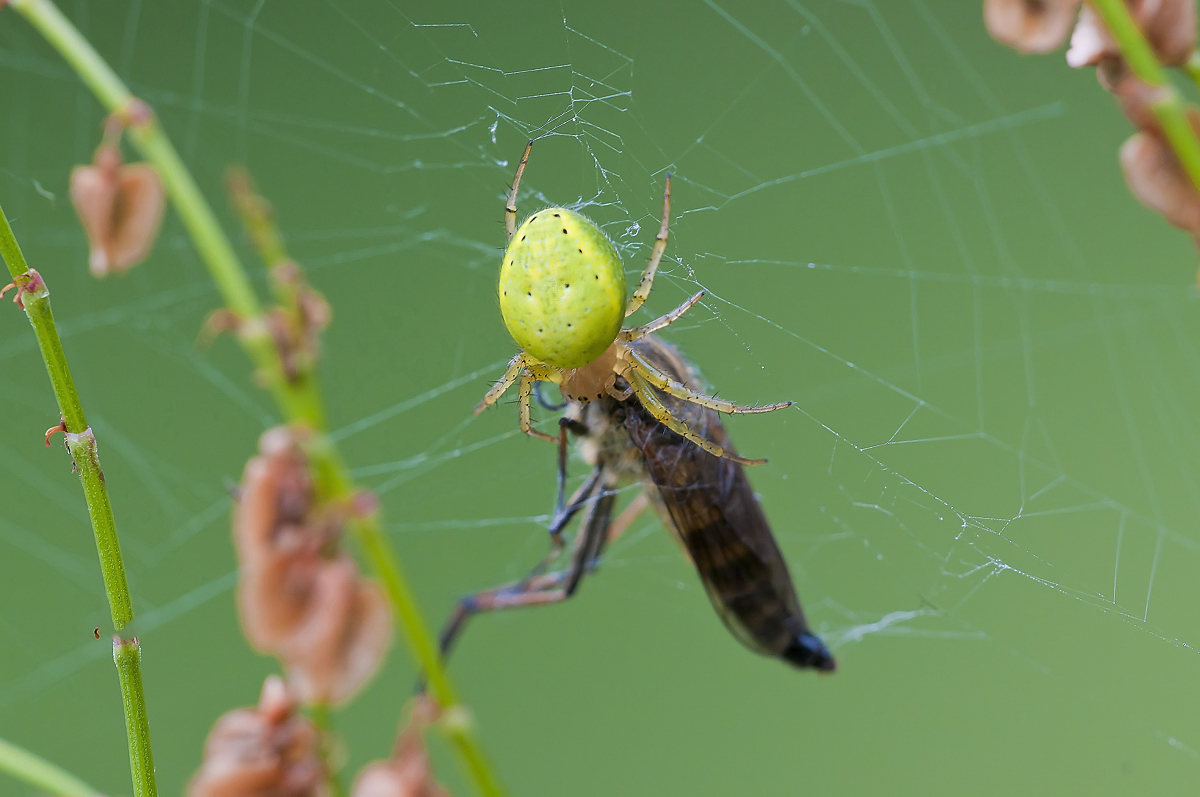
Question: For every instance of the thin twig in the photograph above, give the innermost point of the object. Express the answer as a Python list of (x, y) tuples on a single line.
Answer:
[(34, 296), (334, 483), (300, 402), (128, 657), (40, 773), (1192, 68), (319, 713)]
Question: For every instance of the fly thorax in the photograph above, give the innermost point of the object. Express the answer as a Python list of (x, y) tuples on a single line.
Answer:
[(607, 440)]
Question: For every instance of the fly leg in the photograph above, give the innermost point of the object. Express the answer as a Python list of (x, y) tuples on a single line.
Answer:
[(535, 591), (565, 510), (626, 518), (543, 589), (586, 492)]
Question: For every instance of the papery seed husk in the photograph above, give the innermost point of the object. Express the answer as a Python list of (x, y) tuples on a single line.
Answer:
[(278, 551), (342, 642), (265, 750), (1158, 180), (94, 194), (1170, 27), (120, 208), (409, 772), (1030, 26), (1090, 41), (275, 594), (138, 213), (297, 597), (1137, 98), (389, 779)]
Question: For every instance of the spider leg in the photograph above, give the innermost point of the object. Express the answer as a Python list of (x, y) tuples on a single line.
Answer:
[(515, 366), (660, 246), (626, 518), (510, 207), (544, 589), (681, 391), (660, 322), (655, 407), (523, 390)]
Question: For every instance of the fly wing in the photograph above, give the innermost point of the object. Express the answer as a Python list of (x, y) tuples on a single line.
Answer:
[(709, 504)]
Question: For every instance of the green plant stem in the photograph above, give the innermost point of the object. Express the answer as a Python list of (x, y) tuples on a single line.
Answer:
[(128, 657), (34, 295), (1170, 110), (147, 135), (1192, 68), (40, 773), (334, 483), (299, 402), (321, 717)]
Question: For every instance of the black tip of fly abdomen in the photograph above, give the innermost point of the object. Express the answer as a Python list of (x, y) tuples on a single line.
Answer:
[(808, 651)]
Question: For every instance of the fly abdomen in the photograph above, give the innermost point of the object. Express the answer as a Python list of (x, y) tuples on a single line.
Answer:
[(740, 582), (751, 591), (708, 503)]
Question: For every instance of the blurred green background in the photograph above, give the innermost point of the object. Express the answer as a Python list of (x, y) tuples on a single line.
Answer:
[(988, 490)]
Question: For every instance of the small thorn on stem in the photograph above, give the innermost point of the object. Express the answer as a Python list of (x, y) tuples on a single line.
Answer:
[(61, 427)]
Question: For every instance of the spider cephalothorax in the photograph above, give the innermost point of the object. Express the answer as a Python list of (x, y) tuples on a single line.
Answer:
[(562, 295)]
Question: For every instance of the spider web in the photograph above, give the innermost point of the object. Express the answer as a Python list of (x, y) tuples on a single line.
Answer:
[(986, 489)]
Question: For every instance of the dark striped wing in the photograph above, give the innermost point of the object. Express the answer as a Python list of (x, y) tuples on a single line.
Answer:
[(710, 506)]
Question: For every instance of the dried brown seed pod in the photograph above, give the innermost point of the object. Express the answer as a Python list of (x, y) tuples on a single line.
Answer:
[(299, 599), (408, 773), (1137, 98), (278, 549), (120, 207), (1168, 25), (343, 638), (297, 331), (1090, 42), (1156, 177), (1152, 171), (275, 594), (1030, 26), (262, 751)]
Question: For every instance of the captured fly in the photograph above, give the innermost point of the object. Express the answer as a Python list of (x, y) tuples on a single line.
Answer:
[(705, 501)]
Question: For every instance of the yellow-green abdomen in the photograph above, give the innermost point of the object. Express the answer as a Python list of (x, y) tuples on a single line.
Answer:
[(562, 288)]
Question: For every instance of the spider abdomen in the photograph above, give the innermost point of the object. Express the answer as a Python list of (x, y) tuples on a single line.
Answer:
[(562, 288)]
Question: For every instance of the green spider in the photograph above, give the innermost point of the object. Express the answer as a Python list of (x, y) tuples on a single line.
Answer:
[(562, 295)]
